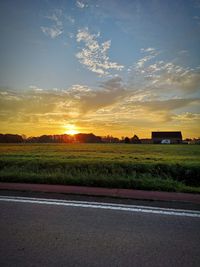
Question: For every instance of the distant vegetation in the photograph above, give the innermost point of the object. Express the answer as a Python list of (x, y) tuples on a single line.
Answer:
[(65, 138), (11, 138), (80, 138), (150, 167)]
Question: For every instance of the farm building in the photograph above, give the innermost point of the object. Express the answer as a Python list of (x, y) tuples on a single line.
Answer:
[(166, 137)]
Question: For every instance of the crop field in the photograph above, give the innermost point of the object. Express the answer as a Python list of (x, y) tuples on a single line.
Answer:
[(149, 167)]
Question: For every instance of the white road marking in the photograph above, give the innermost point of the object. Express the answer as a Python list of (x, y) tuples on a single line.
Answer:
[(107, 206)]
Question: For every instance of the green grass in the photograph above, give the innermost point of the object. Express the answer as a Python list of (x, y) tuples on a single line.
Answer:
[(150, 167)]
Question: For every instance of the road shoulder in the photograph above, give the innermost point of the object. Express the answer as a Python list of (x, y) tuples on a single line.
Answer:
[(121, 196)]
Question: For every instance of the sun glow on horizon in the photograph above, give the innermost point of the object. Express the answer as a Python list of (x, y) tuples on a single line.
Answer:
[(71, 129)]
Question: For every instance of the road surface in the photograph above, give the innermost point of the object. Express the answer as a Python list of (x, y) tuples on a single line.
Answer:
[(36, 232)]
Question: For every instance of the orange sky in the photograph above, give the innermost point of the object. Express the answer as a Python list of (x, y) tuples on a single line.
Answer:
[(36, 112)]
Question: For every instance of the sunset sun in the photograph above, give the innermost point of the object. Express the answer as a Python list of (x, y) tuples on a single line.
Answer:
[(71, 129)]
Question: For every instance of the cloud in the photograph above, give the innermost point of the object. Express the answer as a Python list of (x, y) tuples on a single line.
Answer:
[(52, 32), (155, 110), (168, 105), (113, 83), (90, 100), (143, 116), (35, 88), (181, 52), (149, 49), (70, 19), (28, 102), (94, 55), (162, 75), (57, 106), (151, 53), (80, 88), (169, 75), (111, 108), (112, 92), (72, 102), (187, 117), (80, 4), (55, 17), (56, 28)]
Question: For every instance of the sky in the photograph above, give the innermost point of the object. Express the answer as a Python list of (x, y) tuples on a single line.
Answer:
[(104, 67)]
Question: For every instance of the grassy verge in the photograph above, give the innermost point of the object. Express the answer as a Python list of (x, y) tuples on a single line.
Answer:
[(108, 166)]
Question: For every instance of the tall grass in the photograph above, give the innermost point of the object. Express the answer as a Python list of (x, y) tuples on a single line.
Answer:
[(151, 167)]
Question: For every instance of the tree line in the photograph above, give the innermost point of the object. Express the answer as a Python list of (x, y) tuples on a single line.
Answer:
[(65, 138)]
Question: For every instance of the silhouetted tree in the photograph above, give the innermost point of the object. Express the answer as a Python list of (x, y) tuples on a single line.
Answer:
[(127, 140), (11, 138), (87, 138), (135, 140)]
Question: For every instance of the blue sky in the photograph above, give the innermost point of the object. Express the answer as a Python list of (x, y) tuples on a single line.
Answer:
[(113, 59)]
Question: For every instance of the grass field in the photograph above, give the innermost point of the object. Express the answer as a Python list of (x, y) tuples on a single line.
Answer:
[(149, 167)]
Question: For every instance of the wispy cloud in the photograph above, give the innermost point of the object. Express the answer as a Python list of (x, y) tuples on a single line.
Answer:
[(111, 93), (187, 116), (52, 32), (94, 55), (159, 74), (150, 54), (182, 52), (80, 4), (70, 19), (56, 27)]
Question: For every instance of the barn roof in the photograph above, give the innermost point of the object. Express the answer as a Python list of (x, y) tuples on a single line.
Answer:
[(167, 135)]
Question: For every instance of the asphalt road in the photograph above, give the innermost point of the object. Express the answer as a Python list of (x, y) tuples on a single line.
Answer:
[(33, 234)]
